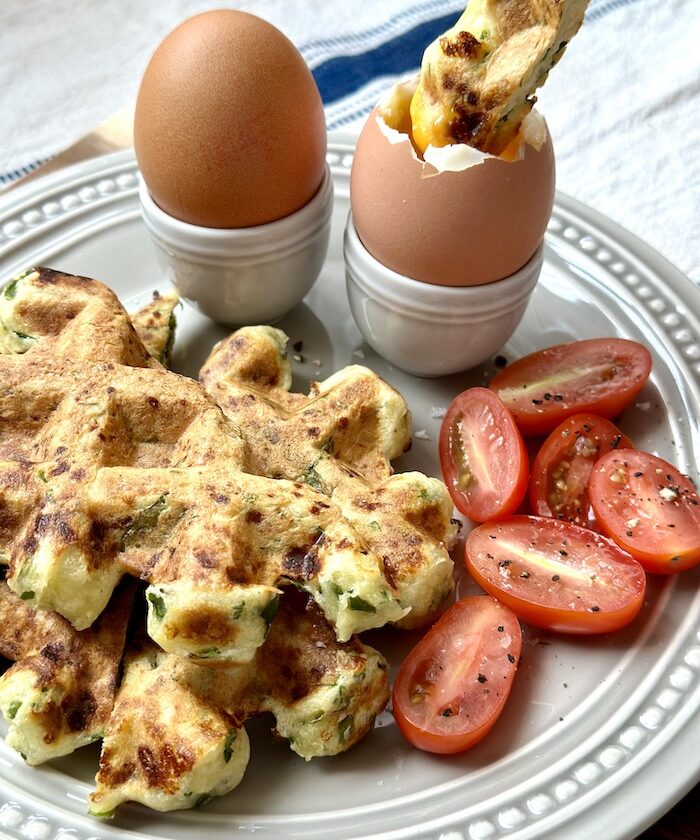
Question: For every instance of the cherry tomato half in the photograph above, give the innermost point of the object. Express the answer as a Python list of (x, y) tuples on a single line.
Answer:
[(560, 472), (483, 456), (555, 574), (600, 375), (452, 686), (648, 508)]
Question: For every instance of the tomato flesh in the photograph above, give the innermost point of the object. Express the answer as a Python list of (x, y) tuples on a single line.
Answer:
[(649, 508), (562, 467), (600, 375), (483, 456), (453, 685), (555, 574)]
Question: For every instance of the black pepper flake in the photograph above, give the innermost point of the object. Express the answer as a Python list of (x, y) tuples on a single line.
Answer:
[(615, 442), (548, 396), (676, 559), (566, 685), (447, 712), (481, 678), (500, 361), (298, 345), (563, 553), (638, 474), (525, 575), (537, 402), (595, 609), (586, 427), (558, 397), (492, 536), (629, 533), (500, 628), (555, 577), (511, 658), (504, 563)]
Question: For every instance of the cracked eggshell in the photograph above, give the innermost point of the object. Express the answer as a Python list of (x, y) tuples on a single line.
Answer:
[(477, 219)]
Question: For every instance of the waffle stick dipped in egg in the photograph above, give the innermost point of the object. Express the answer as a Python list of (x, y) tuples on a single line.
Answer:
[(478, 80), (119, 466)]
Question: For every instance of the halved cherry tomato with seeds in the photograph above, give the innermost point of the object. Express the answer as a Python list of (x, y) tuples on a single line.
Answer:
[(556, 575), (560, 472), (648, 508), (600, 375), (483, 456), (453, 685)]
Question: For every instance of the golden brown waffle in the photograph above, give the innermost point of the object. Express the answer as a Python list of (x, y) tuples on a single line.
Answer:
[(58, 695), (176, 737), (339, 440), (113, 465), (155, 325), (118, 466)]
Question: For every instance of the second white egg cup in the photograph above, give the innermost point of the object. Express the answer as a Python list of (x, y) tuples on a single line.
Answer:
[(242, 276), (431, 330)]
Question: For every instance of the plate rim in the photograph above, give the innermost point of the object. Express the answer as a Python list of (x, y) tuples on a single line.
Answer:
[(17, 223)]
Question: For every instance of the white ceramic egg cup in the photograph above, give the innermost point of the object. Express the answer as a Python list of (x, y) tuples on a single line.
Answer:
[(241, 276), (431, 330)]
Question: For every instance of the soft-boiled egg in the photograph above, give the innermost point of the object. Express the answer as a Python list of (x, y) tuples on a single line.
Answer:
[(456, 216), (229, 129)]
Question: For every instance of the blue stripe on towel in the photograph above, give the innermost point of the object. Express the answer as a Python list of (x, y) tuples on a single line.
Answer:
[(341, 76)]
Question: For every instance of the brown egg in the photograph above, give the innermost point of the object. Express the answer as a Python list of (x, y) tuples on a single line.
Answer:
[(229, 129), (449, 228)]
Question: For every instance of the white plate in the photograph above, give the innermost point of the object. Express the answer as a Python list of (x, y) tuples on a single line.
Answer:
[(600, 736)]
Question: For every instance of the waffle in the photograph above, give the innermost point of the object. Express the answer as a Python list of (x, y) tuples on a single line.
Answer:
[(155, 325), (176, 738), (339, 440), (110, 464), (58, 695)]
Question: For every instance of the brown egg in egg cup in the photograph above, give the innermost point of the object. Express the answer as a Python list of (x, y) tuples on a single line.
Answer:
[(447, 245), (230, 137)]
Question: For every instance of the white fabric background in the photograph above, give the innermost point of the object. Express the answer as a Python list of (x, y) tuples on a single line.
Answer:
[(623, 105)]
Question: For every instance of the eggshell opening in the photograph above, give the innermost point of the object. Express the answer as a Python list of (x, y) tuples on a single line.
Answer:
[(461, 217)]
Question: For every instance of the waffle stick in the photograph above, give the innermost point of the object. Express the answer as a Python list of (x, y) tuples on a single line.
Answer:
[(58, 695), (339, 440), (176, 736)]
